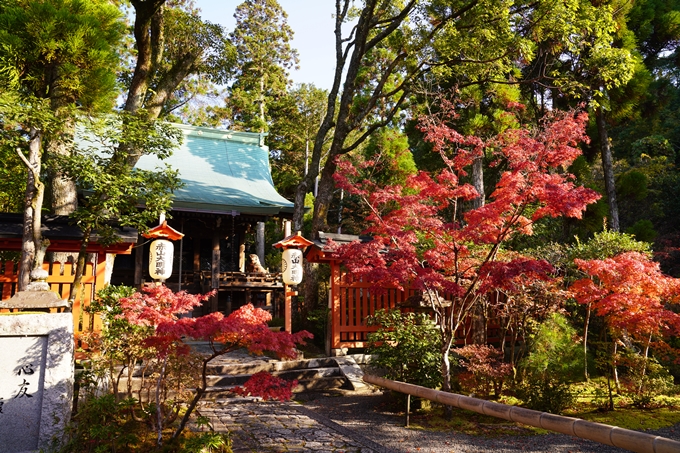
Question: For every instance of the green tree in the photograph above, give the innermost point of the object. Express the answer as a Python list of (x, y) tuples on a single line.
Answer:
[(406, 347), (57, 57), (175, 49), (643, 124), (114, 191), (550, 367), (197, 56), (384, 159), (587, 67), (395, 44), (262, 41), (295, 121)]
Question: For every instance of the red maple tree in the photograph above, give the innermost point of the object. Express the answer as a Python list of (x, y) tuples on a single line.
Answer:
[(246, 327), (632, 295), (422, 239)]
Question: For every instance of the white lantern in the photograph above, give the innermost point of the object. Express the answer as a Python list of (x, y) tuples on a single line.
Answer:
[(160, 259), (291, 266)]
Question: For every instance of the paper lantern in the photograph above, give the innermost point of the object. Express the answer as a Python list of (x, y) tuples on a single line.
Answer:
[(291, 266), (160, 259)]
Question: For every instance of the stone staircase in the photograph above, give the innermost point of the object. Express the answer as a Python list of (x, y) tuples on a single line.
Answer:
[(316, 374)]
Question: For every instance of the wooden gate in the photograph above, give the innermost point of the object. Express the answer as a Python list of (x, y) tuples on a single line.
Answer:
[(60, 280)]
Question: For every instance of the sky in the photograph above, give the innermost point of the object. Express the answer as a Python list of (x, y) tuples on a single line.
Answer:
[(311, 20)]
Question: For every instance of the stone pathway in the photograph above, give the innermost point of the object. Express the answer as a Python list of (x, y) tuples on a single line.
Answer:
[(258, 426)]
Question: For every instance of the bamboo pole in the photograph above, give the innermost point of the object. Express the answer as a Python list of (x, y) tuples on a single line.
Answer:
[(598, 432)]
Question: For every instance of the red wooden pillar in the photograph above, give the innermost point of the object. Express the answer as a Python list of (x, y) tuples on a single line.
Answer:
[(288, 308), (335, 308)]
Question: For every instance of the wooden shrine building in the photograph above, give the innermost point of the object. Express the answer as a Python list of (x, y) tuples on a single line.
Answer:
[(227, 196)]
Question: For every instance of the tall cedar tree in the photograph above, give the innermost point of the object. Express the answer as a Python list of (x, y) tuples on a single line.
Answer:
[(263, 56), (422, 240)]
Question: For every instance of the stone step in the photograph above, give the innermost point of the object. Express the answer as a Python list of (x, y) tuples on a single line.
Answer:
[(297, 373), (327, 373), (273, 366), (306, 385)]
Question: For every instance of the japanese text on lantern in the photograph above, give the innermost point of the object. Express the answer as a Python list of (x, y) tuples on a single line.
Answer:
[(160, 259)]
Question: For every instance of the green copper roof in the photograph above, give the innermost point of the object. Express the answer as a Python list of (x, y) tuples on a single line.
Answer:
[(223, 171)]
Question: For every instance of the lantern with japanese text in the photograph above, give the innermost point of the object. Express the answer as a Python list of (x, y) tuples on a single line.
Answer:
[(161, 250), (291, 271), (160, 259), (291, 266)]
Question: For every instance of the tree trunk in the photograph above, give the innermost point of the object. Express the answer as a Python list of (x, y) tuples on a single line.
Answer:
[(299, 203), (63, 193), (585, 344), (608, 170), (145, 10), (644, 366), (261, 102), (447, 341), (80, 266), (148, 34), (615, 370), (32, 237), (63, 196), (478, 327), (324, 198), (310, 289), (478, 182)]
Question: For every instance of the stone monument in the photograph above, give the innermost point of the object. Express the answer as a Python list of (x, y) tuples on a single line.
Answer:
[(36, 369)]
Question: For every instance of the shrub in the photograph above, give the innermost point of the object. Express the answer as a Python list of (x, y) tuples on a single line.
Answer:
[(120, 345), (145, 330), (407, 347), (553, 363), (484, 369), (104, 424), (645, 380)]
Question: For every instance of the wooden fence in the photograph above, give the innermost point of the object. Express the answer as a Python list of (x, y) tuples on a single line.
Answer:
[(60, 280), (352, 301)]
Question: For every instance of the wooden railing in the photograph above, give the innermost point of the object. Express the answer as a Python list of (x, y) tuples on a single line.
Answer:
[(243, 280), (598, 432), (60, 280)]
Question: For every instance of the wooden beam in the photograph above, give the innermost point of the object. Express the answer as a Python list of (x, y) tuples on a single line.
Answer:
[(139, 263), (197, 255), (215, 270)]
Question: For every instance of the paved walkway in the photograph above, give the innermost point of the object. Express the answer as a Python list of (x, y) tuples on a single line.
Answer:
[(351, 422), (357, 427), (258, 426)]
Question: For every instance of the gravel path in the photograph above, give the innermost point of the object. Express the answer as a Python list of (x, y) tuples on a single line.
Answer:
[(365, 415)]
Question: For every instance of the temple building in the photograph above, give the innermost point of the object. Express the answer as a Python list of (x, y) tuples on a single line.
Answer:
[(227, 196)]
